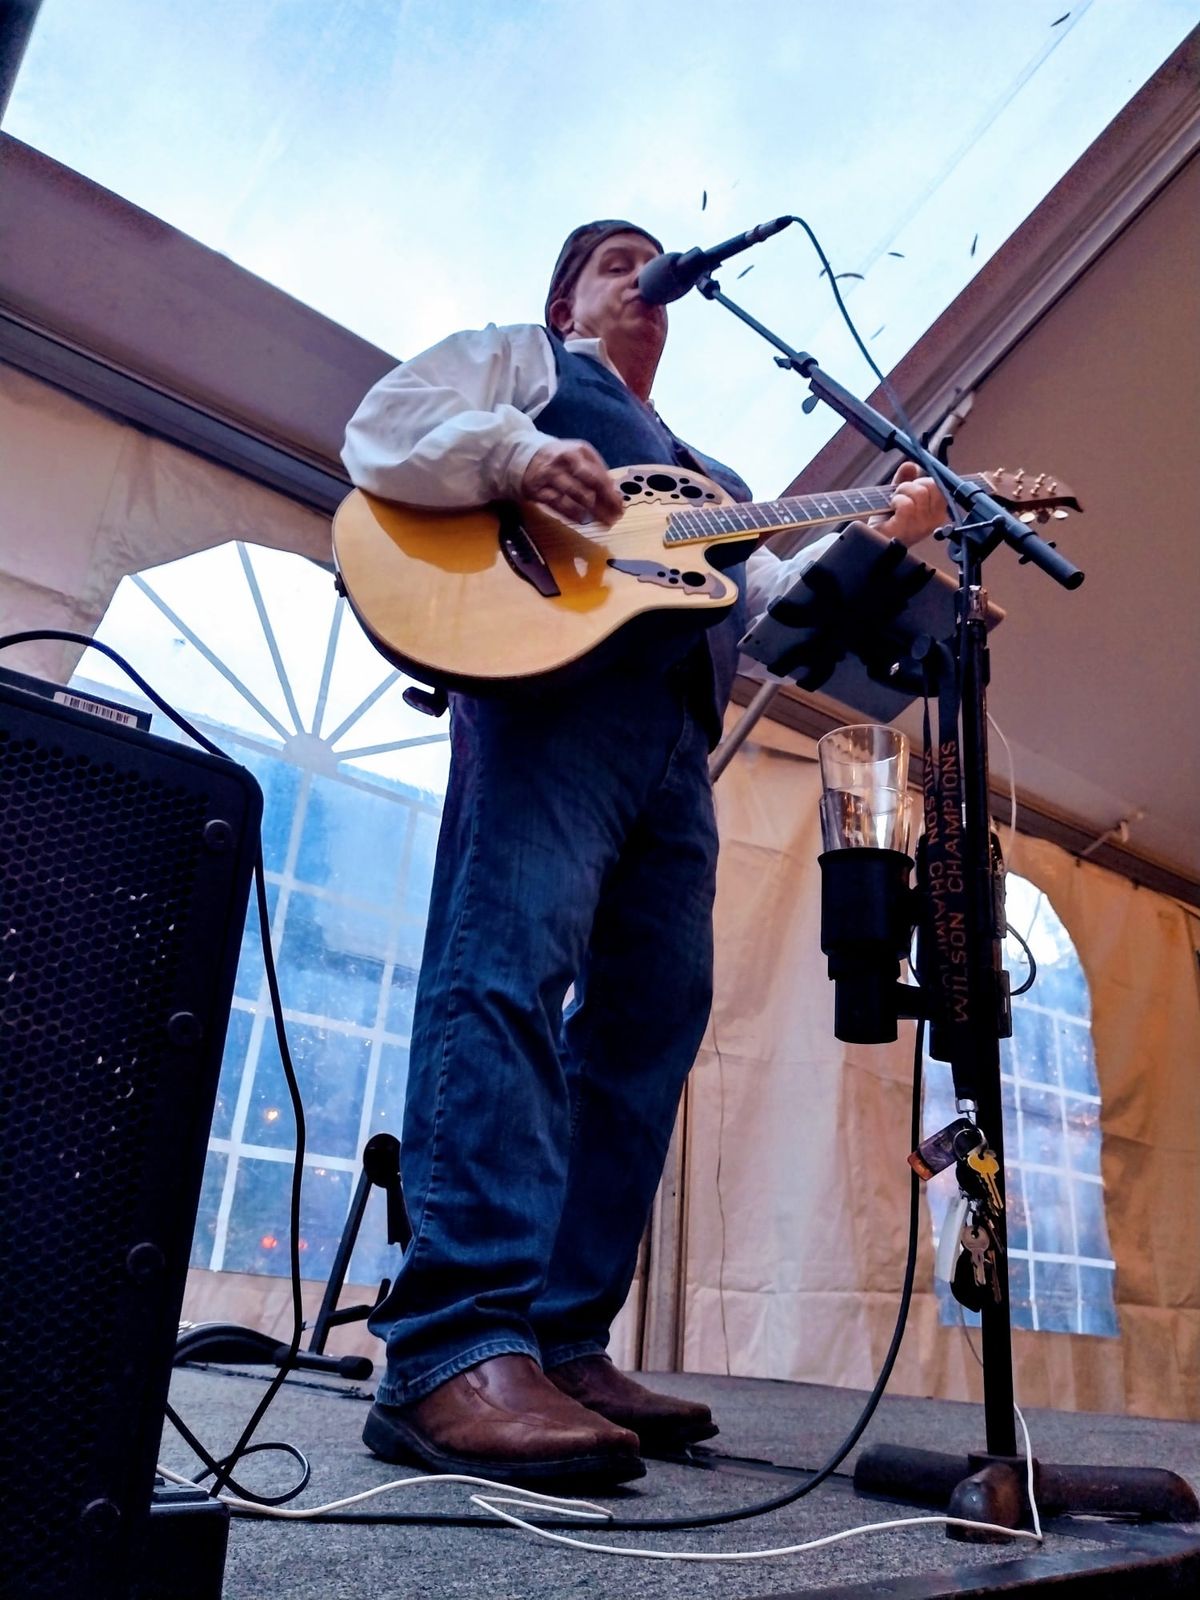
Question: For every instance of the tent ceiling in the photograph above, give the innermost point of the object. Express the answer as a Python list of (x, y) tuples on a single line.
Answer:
[(408, 169), (1088, 330), (95, 292)]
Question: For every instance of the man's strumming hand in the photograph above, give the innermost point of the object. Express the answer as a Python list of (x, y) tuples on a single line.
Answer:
[(568, 477)]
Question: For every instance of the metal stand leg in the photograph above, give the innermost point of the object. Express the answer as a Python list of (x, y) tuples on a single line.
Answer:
[(227, 1341), (380, 1168), (993, 1489)]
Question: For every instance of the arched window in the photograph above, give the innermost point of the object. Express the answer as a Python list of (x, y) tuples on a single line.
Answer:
[(255, 647), (1060, 1266)]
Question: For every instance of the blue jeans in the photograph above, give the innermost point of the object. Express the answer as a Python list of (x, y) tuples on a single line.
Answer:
[(578, 846)]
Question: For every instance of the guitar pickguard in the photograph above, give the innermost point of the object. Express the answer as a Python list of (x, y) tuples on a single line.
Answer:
[(690, 581)]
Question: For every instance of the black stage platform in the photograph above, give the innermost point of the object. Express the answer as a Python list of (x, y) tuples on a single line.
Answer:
[(770, 1432)]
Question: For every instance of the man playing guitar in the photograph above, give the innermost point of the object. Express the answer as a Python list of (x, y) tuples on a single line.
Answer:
[(577, 854)]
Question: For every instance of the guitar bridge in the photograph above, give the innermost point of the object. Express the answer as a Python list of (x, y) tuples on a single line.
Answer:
[(523, 555)]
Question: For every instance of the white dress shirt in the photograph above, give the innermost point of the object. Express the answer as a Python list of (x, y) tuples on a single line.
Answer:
[(457, 426)]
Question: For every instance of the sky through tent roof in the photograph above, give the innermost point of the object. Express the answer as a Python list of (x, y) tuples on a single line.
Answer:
[(412, 169)]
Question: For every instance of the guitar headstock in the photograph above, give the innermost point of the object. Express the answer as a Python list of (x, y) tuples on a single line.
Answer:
[(1031, 498)]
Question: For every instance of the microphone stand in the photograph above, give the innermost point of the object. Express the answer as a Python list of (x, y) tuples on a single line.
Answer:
[(988, 1486)]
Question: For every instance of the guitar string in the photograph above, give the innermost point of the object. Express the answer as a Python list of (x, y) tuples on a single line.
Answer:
[(603, 537), (786, 523)]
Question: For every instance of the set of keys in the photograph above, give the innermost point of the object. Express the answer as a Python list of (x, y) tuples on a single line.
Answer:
[(964, 1146), (977, 1171), (975, 1274)]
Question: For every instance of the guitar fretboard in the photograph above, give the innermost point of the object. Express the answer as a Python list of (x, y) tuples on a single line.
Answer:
[(762, 516)]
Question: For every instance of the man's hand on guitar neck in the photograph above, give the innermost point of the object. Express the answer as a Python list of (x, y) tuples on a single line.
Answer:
[(917, 507), (569, 478)]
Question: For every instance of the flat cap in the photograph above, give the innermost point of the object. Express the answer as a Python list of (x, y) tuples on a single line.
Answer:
[(579, 245)]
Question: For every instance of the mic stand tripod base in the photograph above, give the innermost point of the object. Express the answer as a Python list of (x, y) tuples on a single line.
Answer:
[(985, 1488), (230, 1342)]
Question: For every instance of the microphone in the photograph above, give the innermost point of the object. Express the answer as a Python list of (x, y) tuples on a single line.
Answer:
[(669, 277)]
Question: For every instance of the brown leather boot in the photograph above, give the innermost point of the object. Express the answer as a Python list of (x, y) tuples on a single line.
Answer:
[(503, 1419), (661, 1422)]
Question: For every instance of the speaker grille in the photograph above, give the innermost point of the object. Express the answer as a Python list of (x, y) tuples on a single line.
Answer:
[(123, 877)]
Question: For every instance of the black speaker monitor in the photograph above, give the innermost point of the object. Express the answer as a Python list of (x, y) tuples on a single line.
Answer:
[(125, 863)]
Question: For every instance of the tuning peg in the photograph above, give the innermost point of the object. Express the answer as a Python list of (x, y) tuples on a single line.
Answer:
[(1060, 515), (1028, 516)]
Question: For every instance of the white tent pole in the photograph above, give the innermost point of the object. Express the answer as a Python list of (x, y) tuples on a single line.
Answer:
[(735, 738), (660, 1341)]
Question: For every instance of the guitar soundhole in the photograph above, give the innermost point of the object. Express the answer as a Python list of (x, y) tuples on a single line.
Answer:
[(644, 486)]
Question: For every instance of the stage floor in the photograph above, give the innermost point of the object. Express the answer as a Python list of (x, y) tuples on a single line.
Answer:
[(771, 1433)]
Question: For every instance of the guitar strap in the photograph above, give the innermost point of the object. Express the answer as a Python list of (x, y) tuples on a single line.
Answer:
[(945, 941)]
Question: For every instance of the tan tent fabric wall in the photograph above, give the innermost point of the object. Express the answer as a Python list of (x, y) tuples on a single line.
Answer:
[(85, 499), (1138, 953), (796, 1142), (798, 1187)]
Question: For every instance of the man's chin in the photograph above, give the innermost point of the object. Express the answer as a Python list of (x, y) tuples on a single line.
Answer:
[(648, 316)]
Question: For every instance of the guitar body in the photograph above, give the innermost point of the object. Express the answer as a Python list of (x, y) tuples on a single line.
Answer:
[(505, 597), (458, 599)]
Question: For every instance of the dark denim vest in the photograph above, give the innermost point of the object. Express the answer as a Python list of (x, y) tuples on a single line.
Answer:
[(592, 403)]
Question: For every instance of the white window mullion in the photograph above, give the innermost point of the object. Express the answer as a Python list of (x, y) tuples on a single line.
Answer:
[(263, 1014)]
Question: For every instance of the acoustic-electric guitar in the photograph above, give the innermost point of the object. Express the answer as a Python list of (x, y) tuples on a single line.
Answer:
[(504, 596)]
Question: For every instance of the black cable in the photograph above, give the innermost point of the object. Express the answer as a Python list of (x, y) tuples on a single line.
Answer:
[(884, 380), (1028, 984), (955, 511), (227, 1464), (289, 1360), (35, 634), (213, 1467)]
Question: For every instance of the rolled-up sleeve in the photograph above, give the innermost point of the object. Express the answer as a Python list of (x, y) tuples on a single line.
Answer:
[(767, 577), (455, 425)]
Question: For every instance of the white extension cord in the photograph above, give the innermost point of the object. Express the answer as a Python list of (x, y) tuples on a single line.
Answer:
[(587, 1510)]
